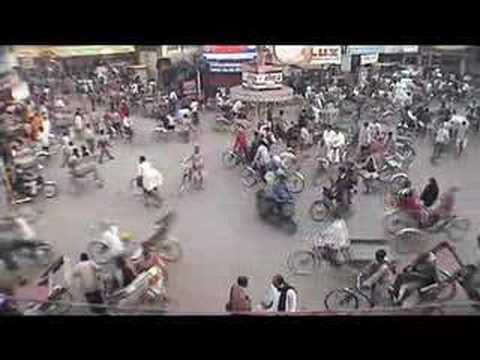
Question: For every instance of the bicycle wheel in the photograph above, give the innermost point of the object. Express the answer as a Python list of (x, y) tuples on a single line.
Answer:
[(409, 241), (341, 299), (99, 252), (457, 229), (171, 249), (394, 222), (302, 262), (249, 177), (229, 159), (318, 211), (296, 183), (62, 304), (397, 182)]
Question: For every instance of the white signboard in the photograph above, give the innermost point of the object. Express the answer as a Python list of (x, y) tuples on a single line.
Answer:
[(368, 59), (326, 55), (262, 81), (401, 49), (364, 49)]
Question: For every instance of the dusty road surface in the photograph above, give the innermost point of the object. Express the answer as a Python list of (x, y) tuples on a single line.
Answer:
[(220, 232)]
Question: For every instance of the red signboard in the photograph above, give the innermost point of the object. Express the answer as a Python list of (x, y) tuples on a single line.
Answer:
[(228, 49)]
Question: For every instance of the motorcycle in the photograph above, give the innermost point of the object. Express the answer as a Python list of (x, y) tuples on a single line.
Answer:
[(30, 184), (278, 214)]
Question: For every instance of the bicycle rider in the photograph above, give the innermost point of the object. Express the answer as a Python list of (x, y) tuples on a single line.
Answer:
[(378, 279)]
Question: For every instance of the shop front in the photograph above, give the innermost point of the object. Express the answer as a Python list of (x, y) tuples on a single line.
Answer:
[(223, 66)]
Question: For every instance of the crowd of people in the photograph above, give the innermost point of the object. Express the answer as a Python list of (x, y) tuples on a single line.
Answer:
[(351, 130)]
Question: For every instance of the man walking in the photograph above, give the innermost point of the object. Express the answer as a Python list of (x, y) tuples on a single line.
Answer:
[(239, 299), (281, 297), (85, 277), (104, 145)]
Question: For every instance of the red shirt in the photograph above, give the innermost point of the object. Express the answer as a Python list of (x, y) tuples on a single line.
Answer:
[(124, 110), (240, 142)]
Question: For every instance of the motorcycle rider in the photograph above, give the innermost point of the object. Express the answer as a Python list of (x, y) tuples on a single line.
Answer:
[(281, 193), (197, 163)]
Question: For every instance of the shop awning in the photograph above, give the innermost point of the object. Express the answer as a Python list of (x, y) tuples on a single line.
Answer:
[(71, 51)]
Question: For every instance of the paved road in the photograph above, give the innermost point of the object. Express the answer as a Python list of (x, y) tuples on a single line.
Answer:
[(220, 232)]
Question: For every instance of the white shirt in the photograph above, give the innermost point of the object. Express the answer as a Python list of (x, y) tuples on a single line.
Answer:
[(43, 138), (462, 131), (336, 236), (86, 273), (237, 106), (182, 112), (273, 297), (328, 136), (78, 122), (194, 106), (338, 140), (173, 96), (152, 178), (59, 103), (263, 155), (443, 136)]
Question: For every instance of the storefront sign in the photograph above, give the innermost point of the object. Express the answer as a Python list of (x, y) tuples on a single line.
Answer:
[(258, 81), (368, 59), (230, 52), (364, 49), (401, 49), (326, 55)]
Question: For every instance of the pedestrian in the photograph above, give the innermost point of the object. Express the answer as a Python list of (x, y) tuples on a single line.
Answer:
[(78, 125), (239, 300), (281, 297), (90, 138), (85, 277), (104, 145), (462, 139), (430, 193), (441, 140), (67, 151)]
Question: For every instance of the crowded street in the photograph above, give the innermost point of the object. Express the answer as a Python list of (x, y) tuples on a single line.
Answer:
[(220, 226)]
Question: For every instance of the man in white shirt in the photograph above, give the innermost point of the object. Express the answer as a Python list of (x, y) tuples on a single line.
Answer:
[(462, 140), (78, 125), (262, 158), (441, 140), (85, 277), (150, 180), (173, 96), (280, 297), (337, 142)]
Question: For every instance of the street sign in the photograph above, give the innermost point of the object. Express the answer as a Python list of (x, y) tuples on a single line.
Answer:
[(368, 59), (326, 55)]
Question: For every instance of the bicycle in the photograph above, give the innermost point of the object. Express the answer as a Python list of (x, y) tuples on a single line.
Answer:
[(351, 298), (306, 262)]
